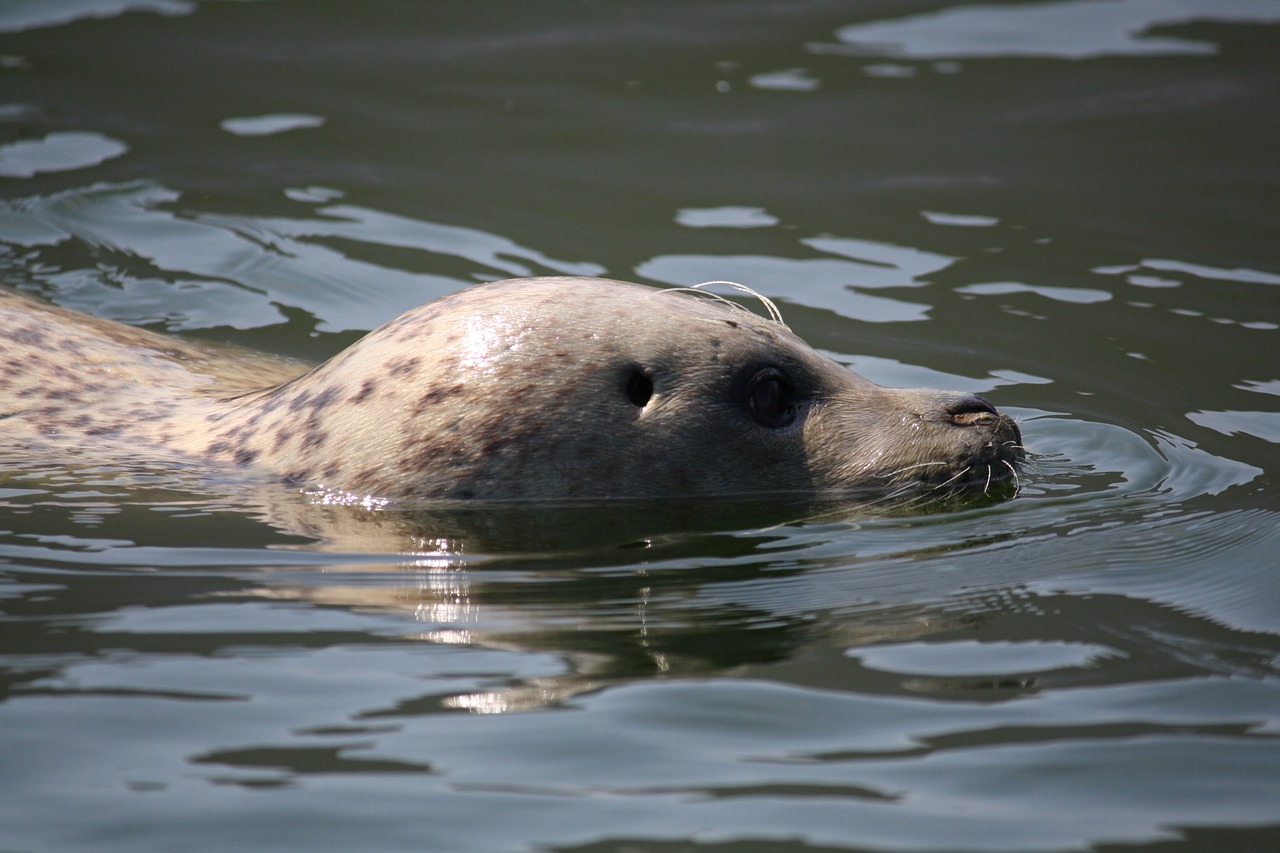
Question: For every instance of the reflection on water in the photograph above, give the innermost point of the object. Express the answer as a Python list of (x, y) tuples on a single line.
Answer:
[(1174, 273), (1069, 203), (242, 266), (269, 124), (57, 152), (832, 284), (19, 15), (1075, 29)]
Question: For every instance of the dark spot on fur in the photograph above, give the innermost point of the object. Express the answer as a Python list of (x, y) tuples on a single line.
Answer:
[(731, 324), (494, 446), (428, 455), (402, 365), (366, 391), (324, 399), (273, 402), (245, 456), (436, 396), (217, 447), (29, 335), (314, 439)]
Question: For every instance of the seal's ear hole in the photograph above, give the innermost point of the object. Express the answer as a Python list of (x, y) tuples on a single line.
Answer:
[(639, 387), (770, 399)]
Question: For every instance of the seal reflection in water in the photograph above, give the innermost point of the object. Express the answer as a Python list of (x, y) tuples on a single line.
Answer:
[(539, 388)]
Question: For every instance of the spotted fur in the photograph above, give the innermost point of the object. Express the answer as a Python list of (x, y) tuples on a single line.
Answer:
[(516, 389)]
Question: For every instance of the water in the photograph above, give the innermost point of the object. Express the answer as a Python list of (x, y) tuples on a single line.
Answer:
[(1067, 206)]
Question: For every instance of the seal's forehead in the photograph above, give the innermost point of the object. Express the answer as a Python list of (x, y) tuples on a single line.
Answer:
[(599, 315)]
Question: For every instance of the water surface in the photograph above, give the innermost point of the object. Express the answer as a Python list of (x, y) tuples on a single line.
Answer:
[(1066, 206)]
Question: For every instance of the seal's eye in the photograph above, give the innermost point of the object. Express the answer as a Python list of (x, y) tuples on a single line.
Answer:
[(770, 399), (639, 387)]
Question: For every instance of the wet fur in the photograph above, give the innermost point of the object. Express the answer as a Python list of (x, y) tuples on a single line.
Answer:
[(511, 390)]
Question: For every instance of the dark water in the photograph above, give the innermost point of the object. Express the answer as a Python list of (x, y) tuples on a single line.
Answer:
[(1068, 206)]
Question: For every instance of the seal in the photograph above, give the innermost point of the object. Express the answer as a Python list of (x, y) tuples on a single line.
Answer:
[(526, 389)]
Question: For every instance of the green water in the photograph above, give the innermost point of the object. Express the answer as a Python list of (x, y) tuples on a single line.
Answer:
[(1069, 207)]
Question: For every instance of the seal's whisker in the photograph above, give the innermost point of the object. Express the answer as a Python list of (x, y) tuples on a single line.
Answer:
[(906, 468), (1013, 472), (962, 472), (770, 306)]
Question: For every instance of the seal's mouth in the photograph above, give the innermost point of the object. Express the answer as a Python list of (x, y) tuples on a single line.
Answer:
[(1004, 441), (989, 450), (997, 459)]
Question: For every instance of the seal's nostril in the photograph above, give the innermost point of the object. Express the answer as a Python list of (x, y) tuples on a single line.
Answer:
[(970, 410)]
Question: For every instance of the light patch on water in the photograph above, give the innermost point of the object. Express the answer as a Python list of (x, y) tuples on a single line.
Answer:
[(788, 80), (962, 220), (372, 226), (1192, 470), (268, 124), (1152, 281), (1192, 273), (1076, 295), (1117, 269), (886, 265), (897, 374), (1085, 29), (253, 262), (830, 284), (19, 15), (889, 69), (9, 112), (1271, 386), (313, 195), (178, 304), (725, 217), (1263, 425), (58, 152), (228, 618), (973, 657), (1238, 274)]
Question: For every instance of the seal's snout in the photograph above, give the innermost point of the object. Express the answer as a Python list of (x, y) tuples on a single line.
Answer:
[(971, 410)]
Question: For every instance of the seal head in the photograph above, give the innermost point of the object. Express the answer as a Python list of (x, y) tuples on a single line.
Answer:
[(590, 388)]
